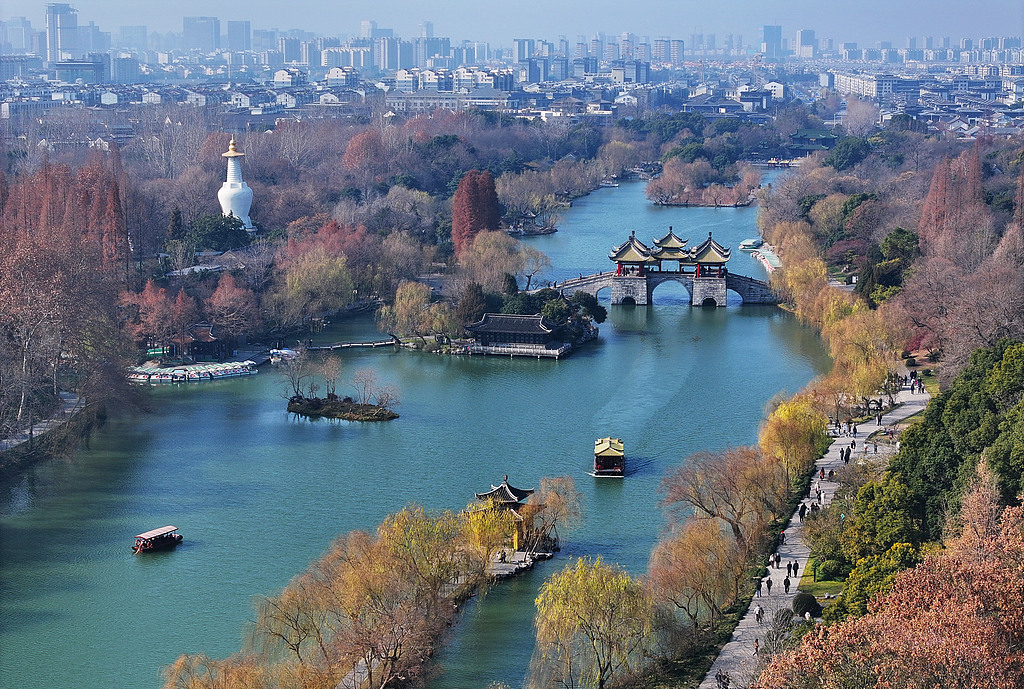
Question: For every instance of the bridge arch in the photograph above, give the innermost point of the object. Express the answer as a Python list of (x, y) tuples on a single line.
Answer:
[(682, 281)]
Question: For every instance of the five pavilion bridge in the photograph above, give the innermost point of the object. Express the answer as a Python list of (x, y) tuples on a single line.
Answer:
[(639, 270)]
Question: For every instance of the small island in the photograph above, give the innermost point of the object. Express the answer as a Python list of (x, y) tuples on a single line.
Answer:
[(373, 402), (339, 408)]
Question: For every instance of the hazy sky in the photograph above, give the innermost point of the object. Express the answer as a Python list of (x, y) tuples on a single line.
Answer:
[(864, 21)]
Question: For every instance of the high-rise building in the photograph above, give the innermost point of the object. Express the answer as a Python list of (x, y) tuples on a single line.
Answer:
[(806, 45), (133, 37), (201, 33), (61, 32), (264, 39), (677, 51), (16, 35), (426, 29), (523, 49), (660, 50), (92, 40), (290, 48), (239, 36), (771, 42)]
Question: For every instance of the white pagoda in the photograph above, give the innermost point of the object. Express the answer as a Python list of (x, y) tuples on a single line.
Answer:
[(235, 196)]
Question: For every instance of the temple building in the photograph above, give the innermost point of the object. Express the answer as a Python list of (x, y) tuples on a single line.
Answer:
[(507, 497), (518, 335), (235, 196)]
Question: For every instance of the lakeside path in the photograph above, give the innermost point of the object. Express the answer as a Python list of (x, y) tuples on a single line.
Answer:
[(737, 657), (70, 405)]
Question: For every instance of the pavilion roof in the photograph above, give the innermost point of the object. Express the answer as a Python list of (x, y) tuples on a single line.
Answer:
[(670, 241), (671, 254), (505, 494), (631, 251), (710, 251), (513, 323)]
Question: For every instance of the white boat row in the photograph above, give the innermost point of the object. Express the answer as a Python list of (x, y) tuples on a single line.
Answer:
[(193, 373)]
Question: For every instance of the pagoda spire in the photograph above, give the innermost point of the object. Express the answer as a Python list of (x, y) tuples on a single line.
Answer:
[(235, 196)]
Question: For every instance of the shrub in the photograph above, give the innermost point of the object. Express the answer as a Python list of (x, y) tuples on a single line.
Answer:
[(904, 354), (831, 570), (805, 602), (911, 361), (926, 371)]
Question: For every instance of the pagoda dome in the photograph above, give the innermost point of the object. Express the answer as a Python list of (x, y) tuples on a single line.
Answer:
[(235, 196)]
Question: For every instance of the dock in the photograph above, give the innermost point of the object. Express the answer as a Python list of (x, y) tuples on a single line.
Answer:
[(514, 563)]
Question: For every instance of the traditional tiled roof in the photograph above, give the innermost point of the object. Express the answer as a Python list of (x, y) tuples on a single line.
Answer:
[(608, 447), (670, 248), (631, 251), (670, 241), (505, 494), (710, 251), (507, 323)]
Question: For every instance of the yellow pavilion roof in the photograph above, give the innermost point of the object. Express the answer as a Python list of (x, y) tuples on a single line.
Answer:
[(671, 254), (608, 447), (710, 251), (670, 241), (631, 251)]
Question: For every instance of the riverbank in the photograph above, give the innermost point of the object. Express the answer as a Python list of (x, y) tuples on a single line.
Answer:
[(17, 449), (738, 657)]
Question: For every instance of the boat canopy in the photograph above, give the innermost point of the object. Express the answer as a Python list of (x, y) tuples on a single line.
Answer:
[(608, 447), (162, 531)]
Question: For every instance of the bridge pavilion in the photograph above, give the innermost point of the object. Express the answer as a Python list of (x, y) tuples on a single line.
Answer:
[(639, 269), (705, 260)]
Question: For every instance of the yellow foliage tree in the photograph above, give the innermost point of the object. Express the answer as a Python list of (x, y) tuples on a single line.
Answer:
[(593, 626)]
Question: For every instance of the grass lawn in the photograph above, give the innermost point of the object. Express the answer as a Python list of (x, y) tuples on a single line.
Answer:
[(818, 589)]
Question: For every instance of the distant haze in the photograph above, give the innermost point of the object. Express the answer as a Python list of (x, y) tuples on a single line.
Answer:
[(864, 21)]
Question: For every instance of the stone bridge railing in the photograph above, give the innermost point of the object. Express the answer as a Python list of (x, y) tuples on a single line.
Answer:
[(638, 290)]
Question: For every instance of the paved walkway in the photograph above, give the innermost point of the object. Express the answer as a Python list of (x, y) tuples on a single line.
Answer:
[(737, 657), (70, 405)]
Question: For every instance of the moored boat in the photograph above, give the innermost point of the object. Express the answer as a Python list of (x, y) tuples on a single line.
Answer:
[(748, 244), (164, 538), (609, 458)]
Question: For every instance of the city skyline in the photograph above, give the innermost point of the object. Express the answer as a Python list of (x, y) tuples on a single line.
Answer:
[(866, 22)]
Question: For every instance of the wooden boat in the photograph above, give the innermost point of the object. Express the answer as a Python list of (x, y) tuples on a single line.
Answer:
[(609, 458), (164, 538)]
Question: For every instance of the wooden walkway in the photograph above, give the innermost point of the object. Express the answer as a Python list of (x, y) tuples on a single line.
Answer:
[(737, 657), (394, 341), (71, 404)]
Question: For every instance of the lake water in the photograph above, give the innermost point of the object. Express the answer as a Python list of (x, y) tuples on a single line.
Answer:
[(258, 494)]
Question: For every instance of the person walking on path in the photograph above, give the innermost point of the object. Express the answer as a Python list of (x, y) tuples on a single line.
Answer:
[(786, 584), (789, 569), (768, 585), (755, 647), (759, 614), (796, 568), (757, 590)]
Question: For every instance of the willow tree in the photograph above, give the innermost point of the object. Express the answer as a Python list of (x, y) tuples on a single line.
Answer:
[(594, 626)]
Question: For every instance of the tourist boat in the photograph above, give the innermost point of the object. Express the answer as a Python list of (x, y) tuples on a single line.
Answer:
[(278, 356), (749, 244), (609, 458), (164, 538)]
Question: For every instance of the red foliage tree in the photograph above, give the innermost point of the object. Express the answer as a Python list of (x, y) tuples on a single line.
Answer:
[(474, 208), (232, 309), (956, 620)]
